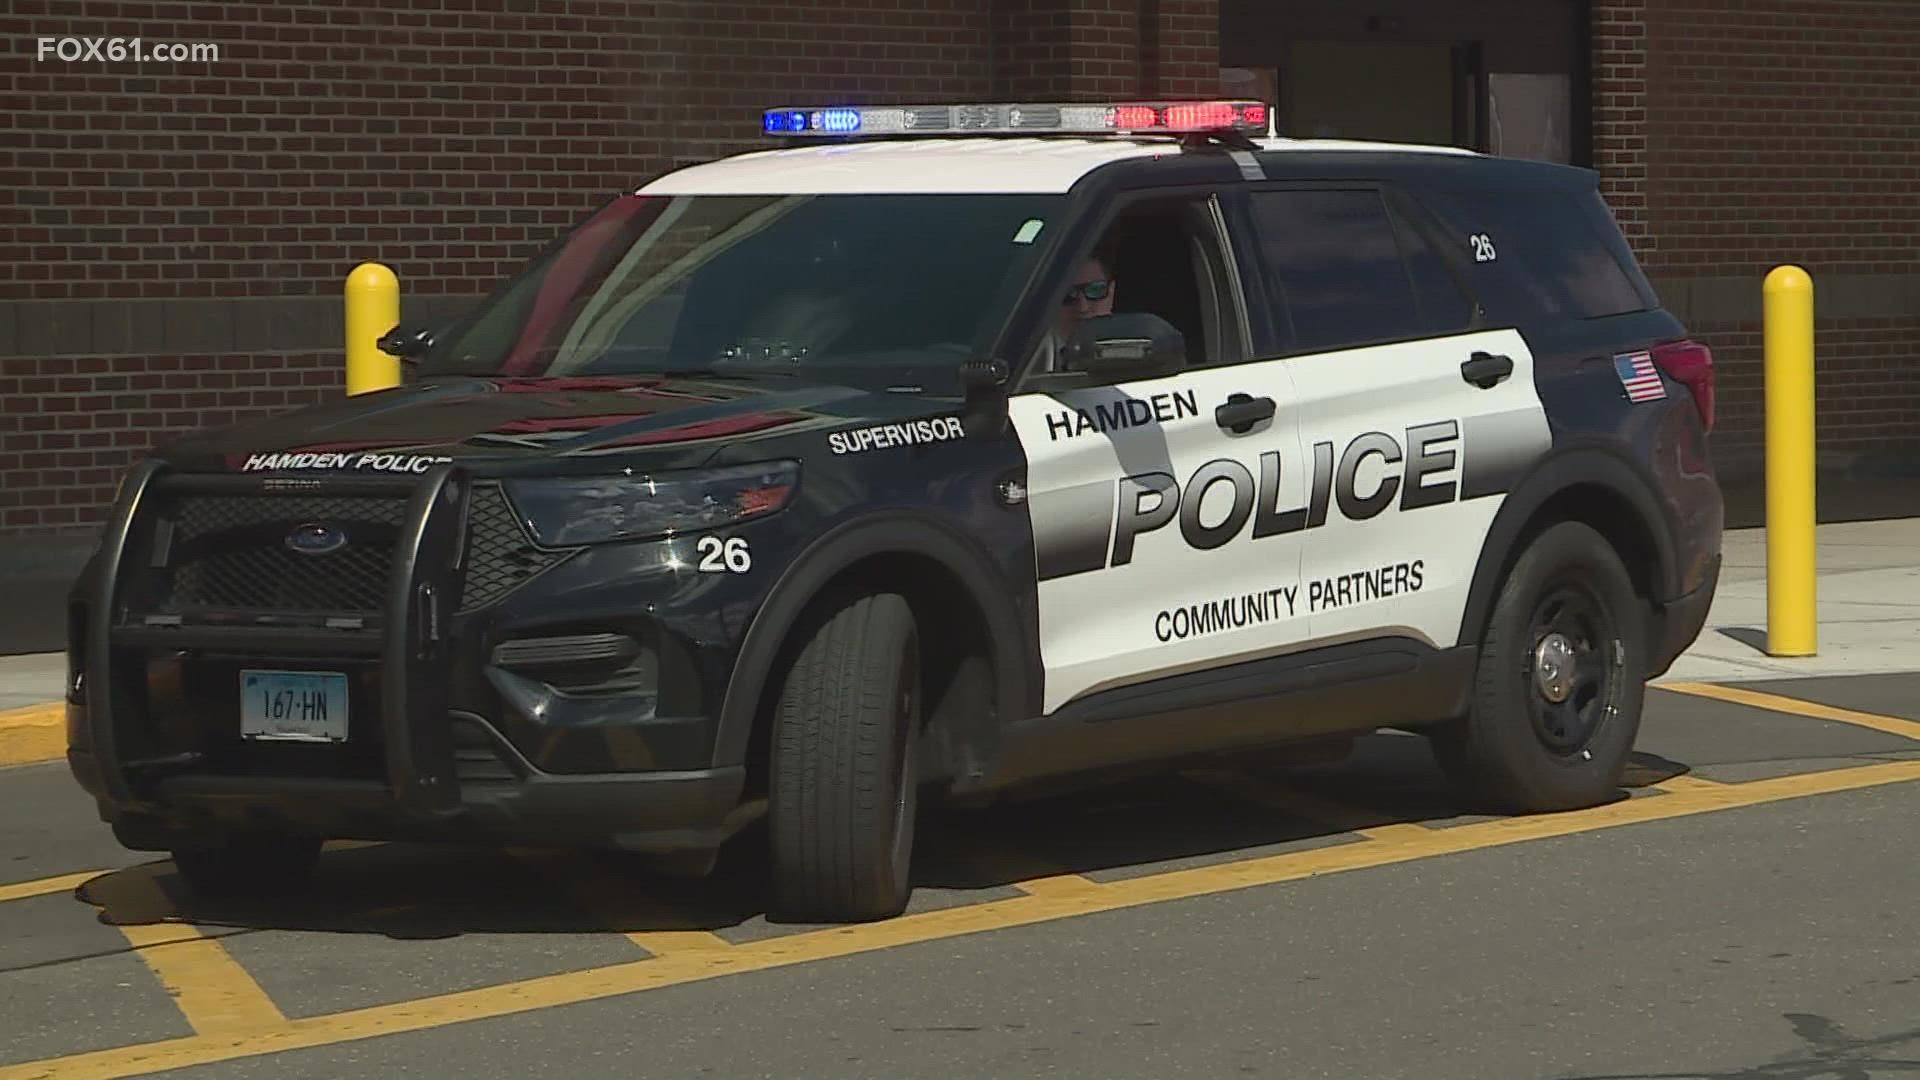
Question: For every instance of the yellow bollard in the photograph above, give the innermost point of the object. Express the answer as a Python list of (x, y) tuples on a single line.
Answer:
[(1791, 586), (373, 308)]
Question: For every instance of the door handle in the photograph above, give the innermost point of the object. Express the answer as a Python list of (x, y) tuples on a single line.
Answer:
[(1241, 412), (1486, 369)]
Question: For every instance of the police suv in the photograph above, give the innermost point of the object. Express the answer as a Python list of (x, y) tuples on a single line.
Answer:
[(933, 452)]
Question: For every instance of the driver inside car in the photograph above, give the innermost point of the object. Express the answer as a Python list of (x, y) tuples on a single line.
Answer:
[(1089, 293)]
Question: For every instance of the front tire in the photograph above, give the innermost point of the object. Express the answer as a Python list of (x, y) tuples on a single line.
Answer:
[(844, 787), (1559, 683)]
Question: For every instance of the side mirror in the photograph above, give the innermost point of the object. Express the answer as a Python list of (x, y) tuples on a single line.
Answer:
[(408, 342), (1128, 343), (984, 411)]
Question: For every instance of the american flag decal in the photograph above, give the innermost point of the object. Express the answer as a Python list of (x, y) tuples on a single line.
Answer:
[(1640, 378)]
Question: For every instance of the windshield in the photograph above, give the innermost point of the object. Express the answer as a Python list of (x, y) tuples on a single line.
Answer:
[(878, 290)]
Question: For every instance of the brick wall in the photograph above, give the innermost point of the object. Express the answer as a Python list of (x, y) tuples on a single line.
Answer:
[(173, 236), (193, 221), (1736, 136), (1095, 49), (69, 425), (1620, 115)]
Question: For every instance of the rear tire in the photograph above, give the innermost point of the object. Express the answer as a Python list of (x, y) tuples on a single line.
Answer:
[(844, 783), (247, 865), (1559, 682)]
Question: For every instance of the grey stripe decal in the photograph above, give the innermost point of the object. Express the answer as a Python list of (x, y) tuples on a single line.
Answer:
[(1249, 165), (1497, 450), (1071, 528)]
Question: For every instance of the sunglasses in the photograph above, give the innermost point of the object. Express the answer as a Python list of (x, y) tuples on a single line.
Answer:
[(1092, 290)]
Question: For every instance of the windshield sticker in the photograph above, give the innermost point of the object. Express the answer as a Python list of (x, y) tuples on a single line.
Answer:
[(390, 463), (912, 433), (1029, 231)]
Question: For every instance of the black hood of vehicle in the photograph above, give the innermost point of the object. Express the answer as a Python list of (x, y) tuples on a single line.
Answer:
[(672, 421)]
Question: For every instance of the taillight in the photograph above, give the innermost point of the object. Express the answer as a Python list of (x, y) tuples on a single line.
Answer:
[(1690, 364)]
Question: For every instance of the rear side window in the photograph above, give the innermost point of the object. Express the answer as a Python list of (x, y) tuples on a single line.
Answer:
[(1348, 273), (1555, 253), (1444, 307)]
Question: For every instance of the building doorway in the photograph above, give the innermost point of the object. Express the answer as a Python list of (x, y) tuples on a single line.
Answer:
[(1505, 77), (1397, 91)]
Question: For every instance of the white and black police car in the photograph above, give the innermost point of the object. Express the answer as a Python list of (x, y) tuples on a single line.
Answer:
[(932, 453)]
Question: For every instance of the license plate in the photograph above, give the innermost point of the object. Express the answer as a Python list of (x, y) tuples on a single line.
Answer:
[(304, 706)]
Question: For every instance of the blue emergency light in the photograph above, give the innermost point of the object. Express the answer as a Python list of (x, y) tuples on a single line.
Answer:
[(818, 122), (1110, 118)]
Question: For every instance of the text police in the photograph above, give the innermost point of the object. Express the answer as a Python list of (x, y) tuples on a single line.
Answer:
[(1148, 501)]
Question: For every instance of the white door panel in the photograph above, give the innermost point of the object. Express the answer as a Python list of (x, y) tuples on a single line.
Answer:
[(1164, 543), (1411, 464)]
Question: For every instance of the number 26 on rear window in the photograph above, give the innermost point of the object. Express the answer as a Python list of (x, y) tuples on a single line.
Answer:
[(1482, 247)]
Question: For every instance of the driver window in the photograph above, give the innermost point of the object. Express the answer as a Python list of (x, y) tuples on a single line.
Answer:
[(1161, 257)]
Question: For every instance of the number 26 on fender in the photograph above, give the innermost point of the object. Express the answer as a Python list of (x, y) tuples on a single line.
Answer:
[(729, 556)]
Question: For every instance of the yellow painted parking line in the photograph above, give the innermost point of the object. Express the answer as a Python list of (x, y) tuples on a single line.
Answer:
[(1892, 725), (23, 890), (1029, 873), (47, 712), (35, 734), (213, 992), (662, 942), (1346, 819), (681, 968), (65, 883), (1689, 782)]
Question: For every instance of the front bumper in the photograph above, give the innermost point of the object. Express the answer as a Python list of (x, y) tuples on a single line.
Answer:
[(658, 812), (457, 728)]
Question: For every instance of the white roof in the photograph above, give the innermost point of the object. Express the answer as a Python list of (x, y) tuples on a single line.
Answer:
[(968, 165)]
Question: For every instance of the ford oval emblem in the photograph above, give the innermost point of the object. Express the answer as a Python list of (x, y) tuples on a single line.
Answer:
[(313, 538)]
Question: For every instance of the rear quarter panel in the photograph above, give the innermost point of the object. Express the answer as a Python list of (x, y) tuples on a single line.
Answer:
[(1544, 255)]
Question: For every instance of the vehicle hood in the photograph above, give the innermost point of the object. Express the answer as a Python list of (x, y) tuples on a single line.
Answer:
[(407, 429)]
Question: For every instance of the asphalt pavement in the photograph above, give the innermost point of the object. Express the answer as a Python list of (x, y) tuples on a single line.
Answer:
[(1743, 910)]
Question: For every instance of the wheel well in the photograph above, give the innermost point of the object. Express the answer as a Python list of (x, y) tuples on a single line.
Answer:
[(1606, 512), (957, 675)]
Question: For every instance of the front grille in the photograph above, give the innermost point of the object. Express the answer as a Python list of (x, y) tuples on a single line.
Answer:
[(500, 555), (216, 552), (231, 552)]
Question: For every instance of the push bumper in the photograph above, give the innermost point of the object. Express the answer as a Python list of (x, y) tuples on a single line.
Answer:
[(419, 769), (657, 812)]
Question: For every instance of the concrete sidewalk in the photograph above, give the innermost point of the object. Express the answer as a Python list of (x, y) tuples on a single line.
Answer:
[(1868, 599)]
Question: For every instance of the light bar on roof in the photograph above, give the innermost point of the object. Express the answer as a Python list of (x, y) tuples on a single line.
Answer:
[(1111, 118)]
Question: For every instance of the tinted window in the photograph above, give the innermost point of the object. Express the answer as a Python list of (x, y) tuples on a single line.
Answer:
[(1336, 263), (1444, 307), (1554, 248)]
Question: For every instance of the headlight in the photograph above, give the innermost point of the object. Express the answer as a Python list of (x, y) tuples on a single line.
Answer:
[(564, 511)]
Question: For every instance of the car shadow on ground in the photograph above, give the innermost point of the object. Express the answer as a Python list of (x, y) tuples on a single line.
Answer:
[(1223, 812)]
